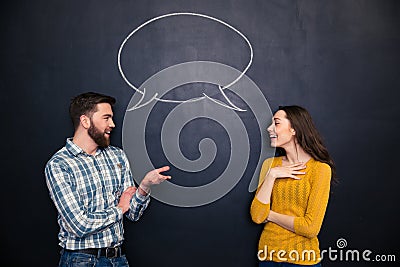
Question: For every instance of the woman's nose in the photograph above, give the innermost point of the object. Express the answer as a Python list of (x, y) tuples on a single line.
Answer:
[(271, 128)]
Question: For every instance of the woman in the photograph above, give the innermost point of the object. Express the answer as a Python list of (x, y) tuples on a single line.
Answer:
[(293, 191)]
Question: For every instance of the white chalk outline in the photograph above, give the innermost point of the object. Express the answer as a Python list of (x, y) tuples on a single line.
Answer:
[(221, 88)]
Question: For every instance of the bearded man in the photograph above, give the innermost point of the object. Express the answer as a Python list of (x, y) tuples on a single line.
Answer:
[(91, 185)]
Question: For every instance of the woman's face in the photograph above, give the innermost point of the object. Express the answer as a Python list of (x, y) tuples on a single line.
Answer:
[(280, 131)]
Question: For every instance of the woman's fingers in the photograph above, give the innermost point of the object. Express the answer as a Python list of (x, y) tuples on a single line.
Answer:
[(298, 168), (294, 177), (297, 172)]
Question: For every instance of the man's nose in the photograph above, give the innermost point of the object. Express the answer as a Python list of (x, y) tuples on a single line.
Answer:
[(112, 125)]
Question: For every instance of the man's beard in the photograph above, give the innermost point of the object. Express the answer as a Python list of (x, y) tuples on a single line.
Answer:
[(98, 136)]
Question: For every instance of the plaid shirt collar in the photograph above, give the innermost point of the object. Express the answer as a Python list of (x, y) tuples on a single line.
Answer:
[(75, 150)]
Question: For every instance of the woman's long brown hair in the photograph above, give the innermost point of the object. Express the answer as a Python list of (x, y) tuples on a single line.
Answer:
[(308, 136)]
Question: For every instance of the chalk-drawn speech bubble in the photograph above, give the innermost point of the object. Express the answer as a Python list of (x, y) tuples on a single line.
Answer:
[(224, 113)]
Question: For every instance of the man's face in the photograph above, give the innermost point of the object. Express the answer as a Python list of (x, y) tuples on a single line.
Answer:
[(101, 125)]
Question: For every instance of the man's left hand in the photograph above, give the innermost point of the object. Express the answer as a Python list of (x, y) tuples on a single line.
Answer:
[(153, 177)]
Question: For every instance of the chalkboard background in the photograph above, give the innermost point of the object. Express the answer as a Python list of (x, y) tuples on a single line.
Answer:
[(339, 59)]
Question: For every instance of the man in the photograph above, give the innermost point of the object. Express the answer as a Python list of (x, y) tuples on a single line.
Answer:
[(91, 185)]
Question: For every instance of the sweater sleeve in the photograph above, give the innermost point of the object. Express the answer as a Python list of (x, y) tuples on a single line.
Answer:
[(259, 211), (309, 225)]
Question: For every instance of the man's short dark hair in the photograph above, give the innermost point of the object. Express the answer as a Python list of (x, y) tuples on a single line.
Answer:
[(86, 104)]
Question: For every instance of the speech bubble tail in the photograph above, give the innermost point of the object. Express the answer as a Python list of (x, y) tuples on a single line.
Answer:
[(139, 103), (233, 107)]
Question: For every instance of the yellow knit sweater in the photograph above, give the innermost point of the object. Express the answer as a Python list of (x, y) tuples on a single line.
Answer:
[(306, 200)]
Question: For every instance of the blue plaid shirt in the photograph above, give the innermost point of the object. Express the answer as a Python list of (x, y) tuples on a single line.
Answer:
[(86, 190)]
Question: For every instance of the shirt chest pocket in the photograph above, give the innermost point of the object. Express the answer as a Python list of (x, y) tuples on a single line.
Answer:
[(113, 186)]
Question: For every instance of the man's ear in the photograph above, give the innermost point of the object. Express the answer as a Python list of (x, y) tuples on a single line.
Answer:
[(85, 121)]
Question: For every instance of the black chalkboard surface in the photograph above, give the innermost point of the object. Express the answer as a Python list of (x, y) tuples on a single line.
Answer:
[(338, 59)]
